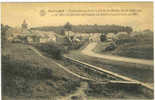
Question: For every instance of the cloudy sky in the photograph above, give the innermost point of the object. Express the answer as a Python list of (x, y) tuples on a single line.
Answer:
[(13, 14)]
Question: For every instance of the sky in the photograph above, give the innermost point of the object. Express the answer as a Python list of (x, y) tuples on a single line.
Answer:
[(13, 14)]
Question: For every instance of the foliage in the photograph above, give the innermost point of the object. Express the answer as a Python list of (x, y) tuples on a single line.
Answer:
[(62, 32), (87, 28), (136, 45), (103, 37), (68, 26), (26, 74), (27, 71), (124, 38), (74, 45), (18, 75), (23, 78), (4, 29), (110, 47), (51, 49)]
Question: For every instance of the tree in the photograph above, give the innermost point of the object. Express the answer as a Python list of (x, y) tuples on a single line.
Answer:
[(103, 37), (4, 29), (24, 25), (128, 29), (68, 27), (62, 32)]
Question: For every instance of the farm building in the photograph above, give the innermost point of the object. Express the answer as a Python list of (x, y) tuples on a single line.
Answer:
[(110, 36), (69, 33), (72, 36), (25, 35), (94, 37), (32, 36)]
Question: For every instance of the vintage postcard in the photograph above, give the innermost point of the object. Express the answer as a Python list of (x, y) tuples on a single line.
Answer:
[(77, 51)]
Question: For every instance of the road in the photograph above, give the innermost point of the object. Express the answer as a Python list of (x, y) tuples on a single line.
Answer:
[(88, 51)]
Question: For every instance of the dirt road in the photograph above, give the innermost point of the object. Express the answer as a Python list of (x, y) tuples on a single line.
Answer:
[(88, 51)]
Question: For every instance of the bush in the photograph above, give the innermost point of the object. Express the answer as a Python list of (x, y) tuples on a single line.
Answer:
[(24, 69), (52, 49), (20, 78), (103, 37), (72, 45), (110, 47), (76, 45), (17, 76), (124, 38), (136, 45)]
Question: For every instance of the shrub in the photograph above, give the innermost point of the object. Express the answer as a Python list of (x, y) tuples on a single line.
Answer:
[(123, 38), (24, 69), (20, 78), (103, 37), (17, 76), (110, 47), (52, 49), (72, 45)]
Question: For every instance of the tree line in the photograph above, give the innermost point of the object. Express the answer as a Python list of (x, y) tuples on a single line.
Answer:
[(86, 28)]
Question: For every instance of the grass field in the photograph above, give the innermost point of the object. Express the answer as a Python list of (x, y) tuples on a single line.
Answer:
[(26, 74)]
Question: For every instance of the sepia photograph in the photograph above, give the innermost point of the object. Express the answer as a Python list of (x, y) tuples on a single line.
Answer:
[(77, 51)]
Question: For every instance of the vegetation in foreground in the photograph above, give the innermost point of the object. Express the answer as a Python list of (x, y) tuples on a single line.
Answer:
[(32, 77), (56, 50), (26, 74)]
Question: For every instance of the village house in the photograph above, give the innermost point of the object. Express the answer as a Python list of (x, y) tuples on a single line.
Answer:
[(77, 36), (37, 37), (94, 37), (26, 35), (110, 36), (42, 37)]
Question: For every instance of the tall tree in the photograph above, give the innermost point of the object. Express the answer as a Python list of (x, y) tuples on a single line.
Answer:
[(68, 27)]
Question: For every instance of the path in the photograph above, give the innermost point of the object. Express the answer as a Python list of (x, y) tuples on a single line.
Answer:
[(88, 51)]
